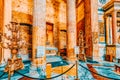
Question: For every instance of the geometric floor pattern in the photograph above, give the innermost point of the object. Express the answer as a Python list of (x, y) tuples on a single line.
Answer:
[(89, 70)]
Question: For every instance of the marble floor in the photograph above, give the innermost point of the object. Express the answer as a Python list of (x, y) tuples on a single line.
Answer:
[(89, 70)]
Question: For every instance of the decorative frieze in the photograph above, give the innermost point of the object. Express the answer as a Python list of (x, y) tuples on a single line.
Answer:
[(22, 17)]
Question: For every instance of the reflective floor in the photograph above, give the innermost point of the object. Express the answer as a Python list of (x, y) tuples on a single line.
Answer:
[(63, 70)]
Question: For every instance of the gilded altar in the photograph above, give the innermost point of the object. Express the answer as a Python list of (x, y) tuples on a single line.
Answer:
[(110, 52), (51, 50)]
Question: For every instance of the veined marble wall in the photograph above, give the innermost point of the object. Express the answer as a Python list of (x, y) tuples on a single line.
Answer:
[(88, 30), (80, 20), (80, 11), (22, 13), (56, 14)]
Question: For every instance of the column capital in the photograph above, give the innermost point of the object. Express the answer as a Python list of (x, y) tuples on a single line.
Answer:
[(114, 12)]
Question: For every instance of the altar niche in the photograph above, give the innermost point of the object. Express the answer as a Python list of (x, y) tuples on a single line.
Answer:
[(49, 34)]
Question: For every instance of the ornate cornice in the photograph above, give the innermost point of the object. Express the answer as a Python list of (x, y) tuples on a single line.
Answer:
[(111, 4), (108, 5)]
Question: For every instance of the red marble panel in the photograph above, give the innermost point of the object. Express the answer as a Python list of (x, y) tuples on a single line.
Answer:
[(88, 28)]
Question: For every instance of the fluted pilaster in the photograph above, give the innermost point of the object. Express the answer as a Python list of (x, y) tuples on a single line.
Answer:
[(114, 27), (7, 20)]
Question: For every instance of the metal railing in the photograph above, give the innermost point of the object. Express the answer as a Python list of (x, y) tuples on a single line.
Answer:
[(79, 65)]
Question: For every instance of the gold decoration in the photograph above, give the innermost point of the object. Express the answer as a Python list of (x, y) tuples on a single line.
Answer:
[(110, 52), (14, 44)]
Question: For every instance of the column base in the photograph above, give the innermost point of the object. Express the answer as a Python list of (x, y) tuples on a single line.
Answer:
[(72, 58), (38, 62), (33, 71), (38, 71), (48, 70), (2, 63)]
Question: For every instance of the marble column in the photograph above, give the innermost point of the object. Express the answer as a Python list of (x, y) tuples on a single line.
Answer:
[(71, 28), (1, 29), (107, 29), (56, 23), (92, 29), (95, 30), (114, 27), (39, 29), (7, 20)]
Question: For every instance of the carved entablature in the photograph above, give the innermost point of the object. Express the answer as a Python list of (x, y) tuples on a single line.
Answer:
[(110, 52), (112, 21)]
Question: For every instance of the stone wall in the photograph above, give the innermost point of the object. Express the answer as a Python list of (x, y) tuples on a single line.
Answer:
[(91, 29), (88, 30), (56, 14), (80, 11), (87, 14), (22, 13), (62, 26), (80, 18)]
